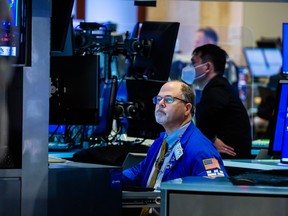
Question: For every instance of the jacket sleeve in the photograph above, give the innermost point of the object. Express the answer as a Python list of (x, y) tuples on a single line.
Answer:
[(139, 174)]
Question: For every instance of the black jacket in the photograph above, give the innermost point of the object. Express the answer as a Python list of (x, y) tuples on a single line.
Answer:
[(221, 113)]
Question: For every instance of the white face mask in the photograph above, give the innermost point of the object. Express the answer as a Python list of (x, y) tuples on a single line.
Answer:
[(189, 74)]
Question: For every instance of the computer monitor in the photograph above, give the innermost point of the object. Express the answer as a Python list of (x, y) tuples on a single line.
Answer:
[(140, 109), (285, 48), (61, 24), (263, 62), (15, 31), (90, 134), (57, 133), (107, 99), (74, 97), (151, 3), (265, 42), (158, 39), (279, 136), (284, 155)]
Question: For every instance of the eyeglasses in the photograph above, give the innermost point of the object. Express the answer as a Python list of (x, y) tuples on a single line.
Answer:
[(168, 99)]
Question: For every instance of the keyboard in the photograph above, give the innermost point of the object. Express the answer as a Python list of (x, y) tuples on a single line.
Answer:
[(262, 177), (56, 146)]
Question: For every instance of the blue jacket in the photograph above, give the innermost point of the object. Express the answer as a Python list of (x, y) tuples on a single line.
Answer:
[(199, 159)]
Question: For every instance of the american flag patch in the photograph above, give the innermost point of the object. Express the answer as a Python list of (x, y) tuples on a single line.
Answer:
[(211, 163)]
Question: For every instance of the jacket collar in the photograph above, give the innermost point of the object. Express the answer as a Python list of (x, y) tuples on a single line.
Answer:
[(183, 141)]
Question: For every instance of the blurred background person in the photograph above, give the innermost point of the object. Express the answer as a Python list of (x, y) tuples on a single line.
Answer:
[(220, 114), (205, 35)]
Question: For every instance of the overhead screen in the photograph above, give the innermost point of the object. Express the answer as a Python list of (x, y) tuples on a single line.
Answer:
[(60, 23), (151, 3), (263, 62), (155, 61)]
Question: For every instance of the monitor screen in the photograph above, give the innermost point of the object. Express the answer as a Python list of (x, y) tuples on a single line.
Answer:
[(57, 133), (140, 112), (61, 23), (15, 31), (263, 62), (108, 91), (155, 61), (284, 156), (285, 48), (75, 134), (74, 98), (279, 136)]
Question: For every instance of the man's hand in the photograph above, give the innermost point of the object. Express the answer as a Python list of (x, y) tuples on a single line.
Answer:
[(223, 148)]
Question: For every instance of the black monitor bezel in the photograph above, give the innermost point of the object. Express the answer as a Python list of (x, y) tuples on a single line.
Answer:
[(67, 102), (61, 17), (141, 122), (155, 64)]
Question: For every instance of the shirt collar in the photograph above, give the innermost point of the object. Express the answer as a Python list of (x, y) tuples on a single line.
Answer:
[(172, 138)]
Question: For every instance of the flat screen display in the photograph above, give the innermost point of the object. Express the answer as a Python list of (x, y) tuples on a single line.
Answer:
[(14, 31), (74, 98), (60, 23), (285, 48), (263, 62), (154, 62), (281, 130), (279, 138), (141, 122)]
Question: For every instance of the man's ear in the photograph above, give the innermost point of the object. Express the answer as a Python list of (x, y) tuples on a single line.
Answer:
[(189, 107), (209, 66)]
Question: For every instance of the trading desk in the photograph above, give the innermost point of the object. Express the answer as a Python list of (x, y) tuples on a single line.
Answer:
[(262, 164), (200, 196), (237, 166), (203, 196)]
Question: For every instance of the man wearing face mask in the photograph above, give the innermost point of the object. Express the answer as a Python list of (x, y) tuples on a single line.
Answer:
[(220, 114), (182, 150)]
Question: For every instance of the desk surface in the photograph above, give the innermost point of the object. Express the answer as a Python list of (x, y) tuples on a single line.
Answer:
[(63, 154), (266, 164), (220, 184), (218, 196)]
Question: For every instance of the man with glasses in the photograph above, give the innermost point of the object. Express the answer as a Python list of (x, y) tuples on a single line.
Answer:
[(220, 114), (182, 150)]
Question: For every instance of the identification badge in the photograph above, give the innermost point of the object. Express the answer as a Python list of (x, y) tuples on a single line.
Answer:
[(178, 151)]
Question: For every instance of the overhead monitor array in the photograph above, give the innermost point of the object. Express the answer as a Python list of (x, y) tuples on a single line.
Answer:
[(263, 62)]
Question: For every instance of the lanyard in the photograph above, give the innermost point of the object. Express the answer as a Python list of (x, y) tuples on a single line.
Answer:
[(173, 153)]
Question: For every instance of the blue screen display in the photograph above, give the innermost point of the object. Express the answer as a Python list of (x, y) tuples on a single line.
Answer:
[(282, 126), (281, 119), (10, 30), (285, 48)]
